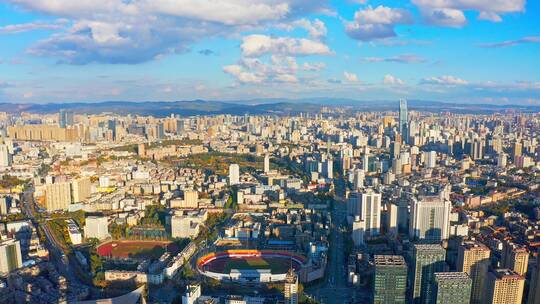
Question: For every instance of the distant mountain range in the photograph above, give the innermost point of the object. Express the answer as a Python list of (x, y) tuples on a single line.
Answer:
[(256, 106)]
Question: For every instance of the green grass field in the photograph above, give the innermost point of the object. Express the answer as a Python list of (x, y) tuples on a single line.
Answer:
[(275, 265)]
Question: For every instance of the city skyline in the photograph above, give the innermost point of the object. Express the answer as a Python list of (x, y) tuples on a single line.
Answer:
[(471, 51)]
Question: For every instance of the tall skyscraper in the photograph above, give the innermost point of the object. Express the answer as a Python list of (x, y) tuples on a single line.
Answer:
[(367, 205), (430, 219), (428, 259), (452, 288), (390, 283), (10, 256), (234, 174), (291, 288), (503, 286), (473, 258), (403, 118), (515, 257), (66, 118)]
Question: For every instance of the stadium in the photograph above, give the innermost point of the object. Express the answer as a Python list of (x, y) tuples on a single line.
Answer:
[(249, 266)]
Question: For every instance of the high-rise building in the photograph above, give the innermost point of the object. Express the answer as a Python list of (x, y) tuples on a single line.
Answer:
[(10, 256), (328, 168), (96, 227), (81, 189), (515, 257), (473, 258), (367, 205), (58, 196), (503, 286), (5, 156), (390, 282), (430, 219), (452, 288), (427, 260), (234, 174), (358, 230), (534, 287), (392, 219), (290, 290), (141, 150), (431, 159), (501, 160), (403, 118), (358, 179), (66, 118), (4, 205), (517, 148), (266, 163), (193, 292)]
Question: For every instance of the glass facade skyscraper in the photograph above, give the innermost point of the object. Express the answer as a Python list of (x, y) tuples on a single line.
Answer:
[(403, 118), (390, 284)]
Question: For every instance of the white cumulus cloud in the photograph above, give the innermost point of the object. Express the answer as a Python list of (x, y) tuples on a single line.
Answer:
[(451, 12), (350, 77), (257, 45), (391, 80), (444, 80), (377, 23)]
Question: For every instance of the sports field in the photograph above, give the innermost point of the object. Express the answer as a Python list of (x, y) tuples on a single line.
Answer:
[(275, 265), (132, 249)]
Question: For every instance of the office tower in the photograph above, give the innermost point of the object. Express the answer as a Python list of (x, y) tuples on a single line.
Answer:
[(515, 257), (4, 205), (141, 150), (473, 258), (503, 286), (430, 219), (66, 118), (517, 148), (501, 160), (452, 288), (358, 230), (290, 289), (96, 227), (266, 163), (10, 256), (403, 118), (358, 179), (366, 205), (431, 159), (534, 287), (5, 156), (234, 174), (58, 196), (390, 283), (427, 259), (81, 189)]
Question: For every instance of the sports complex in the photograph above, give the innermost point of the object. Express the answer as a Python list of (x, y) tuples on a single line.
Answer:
[(126, 249), (249, 266)]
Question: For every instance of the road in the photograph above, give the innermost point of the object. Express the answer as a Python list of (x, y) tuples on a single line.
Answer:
[(335, 288), (56, 254)]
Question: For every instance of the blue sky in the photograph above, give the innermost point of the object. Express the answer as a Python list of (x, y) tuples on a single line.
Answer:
[(467, 51)]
